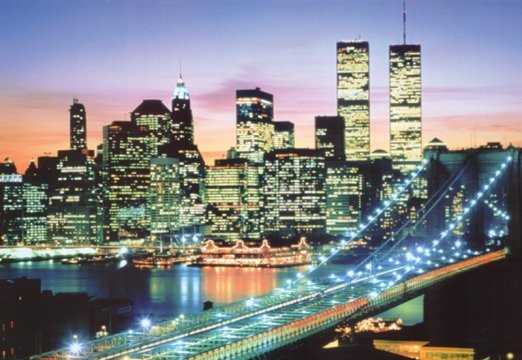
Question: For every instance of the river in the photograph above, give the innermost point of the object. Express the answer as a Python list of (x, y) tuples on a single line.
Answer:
[(169, 292)]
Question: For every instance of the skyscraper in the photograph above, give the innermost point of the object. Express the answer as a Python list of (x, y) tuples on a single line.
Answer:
[(293, 192), (329, 136), (353, 97), (405, 106), (127, 150), (164, 196), (284, 137), (182, 122), (73, 210), (154, 115), (233, 197), (254, 126), (23, 206), (78, 126), (344, 186)]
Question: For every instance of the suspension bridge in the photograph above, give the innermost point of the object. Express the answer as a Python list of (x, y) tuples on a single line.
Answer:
[(398, 269)]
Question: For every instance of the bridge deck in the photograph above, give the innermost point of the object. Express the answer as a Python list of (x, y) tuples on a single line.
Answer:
[(265, 323)]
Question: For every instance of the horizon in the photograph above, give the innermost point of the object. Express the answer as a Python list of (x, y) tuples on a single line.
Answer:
[(470, 73)]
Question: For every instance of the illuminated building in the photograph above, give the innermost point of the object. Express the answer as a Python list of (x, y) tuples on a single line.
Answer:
[(353, 97), (164, 196), (74, 215), (405, 106), (78, 126), (284, 137), (11, 204), (23, 206), (329, 136), (233, 198), (344, 185), (254, 125), (192, 185), (177, 192), (127, 149), (155, 116), (182, 122), (35, 197), (294, 195)]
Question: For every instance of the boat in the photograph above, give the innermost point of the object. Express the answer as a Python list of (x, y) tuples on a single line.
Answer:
[(157, 260), (91, 259), (241, 255)]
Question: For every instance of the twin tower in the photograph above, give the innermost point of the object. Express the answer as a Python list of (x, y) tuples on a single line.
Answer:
[(353, 101)]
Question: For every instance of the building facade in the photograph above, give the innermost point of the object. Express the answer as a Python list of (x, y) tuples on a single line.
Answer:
[(234, 200), (254, 124), (74, 215), (405, 107), (164, 197), (77, 126), (127, 150), (329, 136), (182, 121), (353, 96), (155, 116), (294, 199), (345, 187), (284, 137)]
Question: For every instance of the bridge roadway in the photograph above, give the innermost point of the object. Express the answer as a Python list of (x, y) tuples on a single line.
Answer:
[(259, 325)]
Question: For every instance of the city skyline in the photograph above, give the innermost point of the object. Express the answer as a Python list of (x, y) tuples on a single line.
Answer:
[(56, 54)]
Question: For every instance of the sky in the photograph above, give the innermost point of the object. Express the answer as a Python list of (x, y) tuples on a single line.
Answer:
[(112, 54)]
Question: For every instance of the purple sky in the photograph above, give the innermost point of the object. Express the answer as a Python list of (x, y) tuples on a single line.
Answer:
[(112, 54)]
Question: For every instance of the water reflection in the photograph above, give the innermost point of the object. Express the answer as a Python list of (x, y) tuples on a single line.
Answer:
[(169, 292)]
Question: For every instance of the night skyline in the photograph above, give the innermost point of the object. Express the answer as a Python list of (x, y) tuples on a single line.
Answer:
[(112, 55)]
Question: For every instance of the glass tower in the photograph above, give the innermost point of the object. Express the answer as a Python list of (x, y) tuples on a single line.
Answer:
[(182, 122), (233, 197), (329, 136), (164, 196), (405, 106), (254, 126), (293, 192), (284, 137), (353, 97), (127, 149), (78, 126), (154, 115)]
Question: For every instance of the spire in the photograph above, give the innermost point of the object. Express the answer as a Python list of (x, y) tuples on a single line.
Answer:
[(404, 22), (180, 91)]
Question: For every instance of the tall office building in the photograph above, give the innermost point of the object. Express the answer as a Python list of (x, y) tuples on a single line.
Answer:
[(34, 219), (182, 122), (179, 166), (353, 97), (74, 200), (127, 150), (329, 136), (405, 106), (155, 116), (284, 137), (254, 126), (23, 205), (78, 126), (233, 197), (164, 196), (345, 186), (191, 206), (293, 192)]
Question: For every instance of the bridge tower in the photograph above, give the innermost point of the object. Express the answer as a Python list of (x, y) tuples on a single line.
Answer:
[(474, 167)]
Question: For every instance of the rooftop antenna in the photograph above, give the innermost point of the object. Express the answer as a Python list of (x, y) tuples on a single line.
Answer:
[(180, 69), (404, 22)]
